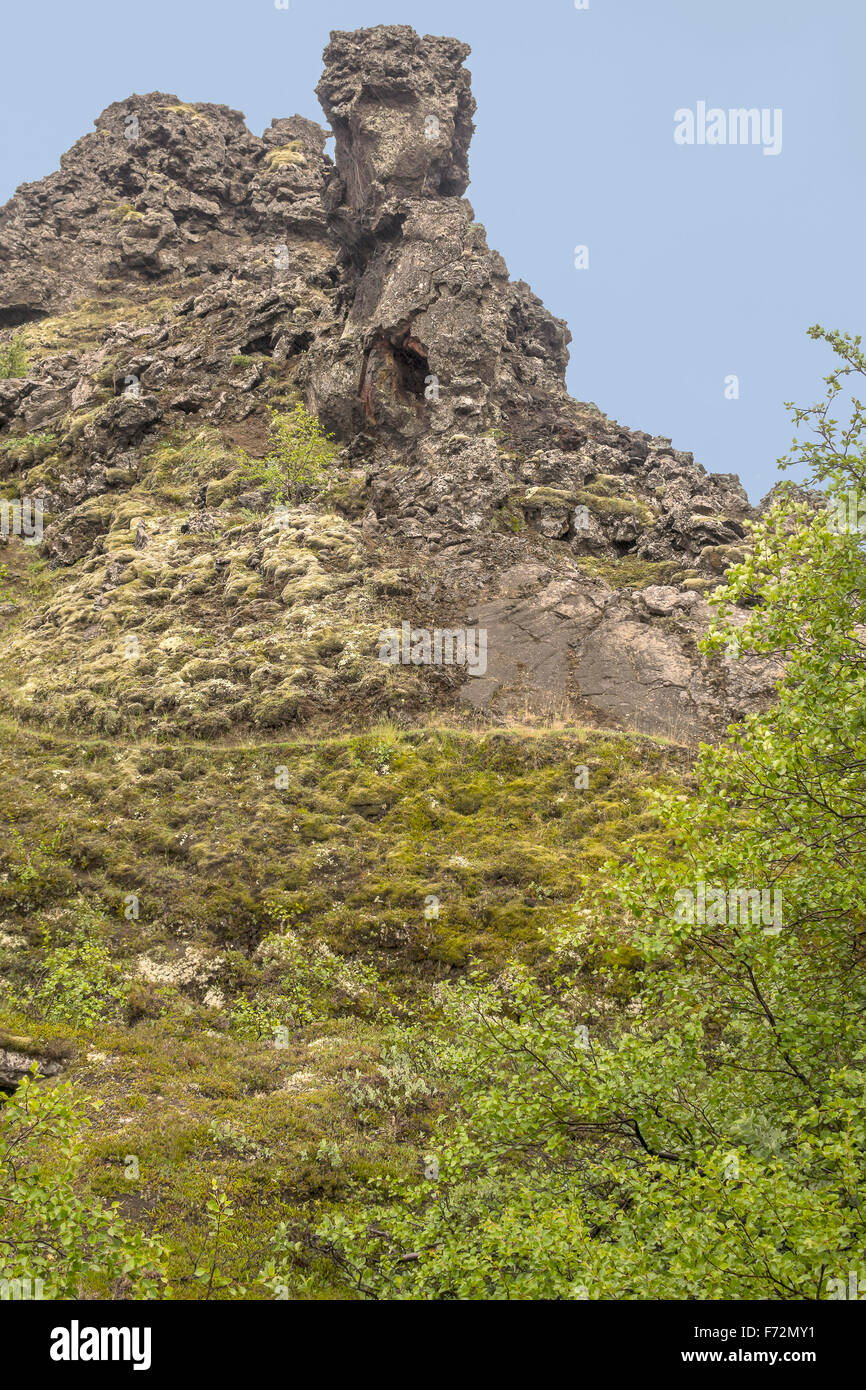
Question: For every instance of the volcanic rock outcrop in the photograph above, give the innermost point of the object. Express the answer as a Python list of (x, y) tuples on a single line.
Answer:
[(176, 280)]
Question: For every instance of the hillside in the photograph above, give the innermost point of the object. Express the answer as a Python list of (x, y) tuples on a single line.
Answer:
[(244, 853)]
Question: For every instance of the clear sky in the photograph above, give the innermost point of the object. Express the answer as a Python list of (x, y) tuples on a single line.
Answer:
[(705, 261)]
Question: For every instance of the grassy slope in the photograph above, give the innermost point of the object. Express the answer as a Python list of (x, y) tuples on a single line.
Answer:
[(347, 857)]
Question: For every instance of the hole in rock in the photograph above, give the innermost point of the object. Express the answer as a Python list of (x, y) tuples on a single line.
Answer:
[(300, 342), (13, 315), (412, 366), (263, 345)]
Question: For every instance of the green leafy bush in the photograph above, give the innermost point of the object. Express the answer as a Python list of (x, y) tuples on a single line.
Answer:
[(302, 981), (298, 456), (254, 1020), (79, 984), (13, 359), (75, 1246), (206, 1269), (35, 871)]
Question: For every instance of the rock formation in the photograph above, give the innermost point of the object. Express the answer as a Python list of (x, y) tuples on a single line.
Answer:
[(179, 276)]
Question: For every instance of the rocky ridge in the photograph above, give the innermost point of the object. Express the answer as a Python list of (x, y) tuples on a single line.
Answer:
[(179, 276)]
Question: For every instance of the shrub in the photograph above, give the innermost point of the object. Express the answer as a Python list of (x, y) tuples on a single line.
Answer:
[(79, 985), (74, 1245), (299, 453), (13, 359)]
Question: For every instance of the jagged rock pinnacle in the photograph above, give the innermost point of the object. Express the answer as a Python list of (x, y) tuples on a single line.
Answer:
[(401, 109)]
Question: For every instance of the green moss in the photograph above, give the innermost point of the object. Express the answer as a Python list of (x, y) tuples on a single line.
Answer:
[(721, 557), (629, 572), (614, 508), (226, 489), (83, 327), (24, 450), (599, 498), (509, 519), (125, 212), (290, 154), (537, 498), (184, 108), (432, 806)]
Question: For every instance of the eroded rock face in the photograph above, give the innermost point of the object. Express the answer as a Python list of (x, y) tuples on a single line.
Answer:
[(401, 110), (179, 276), (436, 337), (159, 189)]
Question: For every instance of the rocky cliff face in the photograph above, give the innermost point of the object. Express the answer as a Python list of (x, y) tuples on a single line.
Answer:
[(176, 279)]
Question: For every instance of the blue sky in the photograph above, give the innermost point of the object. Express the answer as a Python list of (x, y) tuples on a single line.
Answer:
[(704, 261)]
